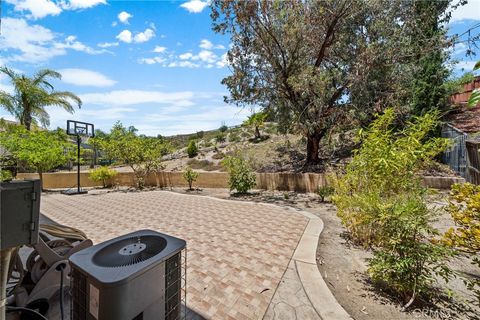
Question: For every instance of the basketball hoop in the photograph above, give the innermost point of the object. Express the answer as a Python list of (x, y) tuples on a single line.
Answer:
[(79, 129)]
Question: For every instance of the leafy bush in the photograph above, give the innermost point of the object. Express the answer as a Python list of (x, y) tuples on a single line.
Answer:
[(5, 175), (464, 206), (325, 191), (190, 176), (223, 127), (200, 134), (242, 178), (381, 201), (143, 154), (103, 174), (220, 137), (192, 149)]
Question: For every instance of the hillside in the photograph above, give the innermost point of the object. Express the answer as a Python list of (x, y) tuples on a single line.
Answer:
[(273, 153)]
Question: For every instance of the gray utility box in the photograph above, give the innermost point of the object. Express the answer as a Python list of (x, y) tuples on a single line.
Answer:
[(136, 276), (19, 213)]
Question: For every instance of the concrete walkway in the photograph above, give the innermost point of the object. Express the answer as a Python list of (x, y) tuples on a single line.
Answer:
[(245, 260)]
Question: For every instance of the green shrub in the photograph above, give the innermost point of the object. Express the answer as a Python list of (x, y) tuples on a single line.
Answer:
[(192, 149), (190, 176), (103, 174), (464, 206), (382, 203), (223, 127), (200, 134), (220, 137), (325, 191), (5, 175), (241, 178)]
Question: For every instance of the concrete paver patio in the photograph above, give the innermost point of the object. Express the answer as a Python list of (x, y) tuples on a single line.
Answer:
[(237, 251)]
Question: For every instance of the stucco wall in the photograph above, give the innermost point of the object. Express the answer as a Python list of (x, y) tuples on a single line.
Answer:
[(300, 182)]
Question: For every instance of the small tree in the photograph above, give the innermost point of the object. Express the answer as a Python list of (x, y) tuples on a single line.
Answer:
[(190, 176), (223, 127), (475, 97), (381, 201), (39, 150), (464, 206), (256, 121), (241, 178), (103, 174), (143, 154), (192, 149)]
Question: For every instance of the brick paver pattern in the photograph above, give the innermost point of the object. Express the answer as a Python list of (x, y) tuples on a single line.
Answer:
[(237, 251)]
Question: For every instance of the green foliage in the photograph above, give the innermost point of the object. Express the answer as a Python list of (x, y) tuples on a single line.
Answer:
[(190, 176), (256, 121), (429, 72), (464, 207), (325, 191), (143, 154), (32, 94), (220, 137), (192, 149), (381, 201), (223, 127), (5, 175), (474, 99), (241, 178), (39, 150), (103, 174), (200, 134), (317, 84)]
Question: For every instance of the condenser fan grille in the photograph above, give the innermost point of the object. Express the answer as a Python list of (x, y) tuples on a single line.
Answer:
[(129, 251)]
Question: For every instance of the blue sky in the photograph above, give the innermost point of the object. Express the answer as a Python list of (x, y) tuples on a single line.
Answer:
[(156, 65)]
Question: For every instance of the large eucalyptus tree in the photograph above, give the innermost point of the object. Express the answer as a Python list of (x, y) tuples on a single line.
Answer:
[(317, 64), (32, 94)]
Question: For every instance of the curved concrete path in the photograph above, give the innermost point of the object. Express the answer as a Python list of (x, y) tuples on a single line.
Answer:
[(241, 255)]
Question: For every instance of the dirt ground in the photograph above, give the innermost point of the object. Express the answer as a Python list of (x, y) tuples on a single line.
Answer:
[(344, 265)]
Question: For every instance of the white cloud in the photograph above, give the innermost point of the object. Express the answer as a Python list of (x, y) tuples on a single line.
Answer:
[(222, 62), (107, 44), (71, 42), (207, 56), (125, 36), (194, 6), (124, 16), (152, 60), (82, 4), (35, 43), (186, 56), (144, 36), (466, 65), (133, 97), (37, 8), (83, 77), (159, 49), (206, 44), (469, 11), (41, 8)]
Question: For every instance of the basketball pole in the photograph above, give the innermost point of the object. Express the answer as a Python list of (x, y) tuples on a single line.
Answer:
[(79, 140)]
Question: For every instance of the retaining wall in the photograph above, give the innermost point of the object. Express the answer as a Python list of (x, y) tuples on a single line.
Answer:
[(299, 182)]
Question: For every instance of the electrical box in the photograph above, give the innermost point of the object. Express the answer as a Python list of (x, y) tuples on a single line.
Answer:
[(19, 213)]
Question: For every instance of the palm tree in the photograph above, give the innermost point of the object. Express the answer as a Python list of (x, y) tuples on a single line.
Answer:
[(32, 94)]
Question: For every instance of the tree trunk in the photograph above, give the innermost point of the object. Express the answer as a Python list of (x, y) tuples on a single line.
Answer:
[(313, 141), (27, 118), (257, 133)]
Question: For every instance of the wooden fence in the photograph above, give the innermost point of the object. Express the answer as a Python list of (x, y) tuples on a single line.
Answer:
[(473, 167)]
